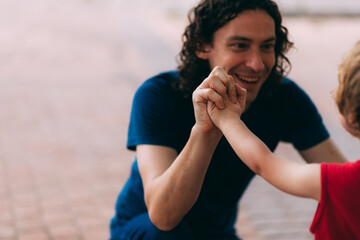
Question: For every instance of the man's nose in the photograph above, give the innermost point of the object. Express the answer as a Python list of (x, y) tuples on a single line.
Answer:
[(255, 61)]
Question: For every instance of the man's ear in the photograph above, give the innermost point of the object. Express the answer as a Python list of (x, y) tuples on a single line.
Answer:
[(204, 52)]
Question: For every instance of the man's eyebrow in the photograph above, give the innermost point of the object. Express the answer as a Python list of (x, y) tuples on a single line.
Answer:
[(240, 38), (271, 39)]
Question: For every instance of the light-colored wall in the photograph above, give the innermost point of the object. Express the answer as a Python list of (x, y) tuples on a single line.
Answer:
[(351, 7)]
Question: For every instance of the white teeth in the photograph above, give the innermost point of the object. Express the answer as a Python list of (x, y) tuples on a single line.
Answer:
[(248, 79)]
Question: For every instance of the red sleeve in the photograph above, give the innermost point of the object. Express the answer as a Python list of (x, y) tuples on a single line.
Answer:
[(338, 210), (323, 199)]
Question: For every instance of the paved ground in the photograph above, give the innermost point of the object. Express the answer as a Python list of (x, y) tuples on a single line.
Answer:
[(68, 70)]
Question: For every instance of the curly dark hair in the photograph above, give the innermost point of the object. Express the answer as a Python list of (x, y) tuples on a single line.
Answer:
[(209, 16)]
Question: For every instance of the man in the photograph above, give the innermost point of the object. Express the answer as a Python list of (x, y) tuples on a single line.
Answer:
[(186, 180)]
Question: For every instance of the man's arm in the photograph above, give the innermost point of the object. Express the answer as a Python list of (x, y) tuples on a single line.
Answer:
[(172, 182), (325, 151)]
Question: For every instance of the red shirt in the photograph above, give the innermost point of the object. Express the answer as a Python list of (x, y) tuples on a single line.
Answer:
[(338, 213)]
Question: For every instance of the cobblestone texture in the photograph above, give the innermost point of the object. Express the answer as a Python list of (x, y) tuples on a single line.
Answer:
[(68, 71)]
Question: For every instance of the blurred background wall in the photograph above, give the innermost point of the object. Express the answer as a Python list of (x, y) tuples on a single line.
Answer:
[(320, 7)]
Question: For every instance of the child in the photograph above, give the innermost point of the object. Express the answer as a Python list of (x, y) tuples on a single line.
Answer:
[(335, 186)]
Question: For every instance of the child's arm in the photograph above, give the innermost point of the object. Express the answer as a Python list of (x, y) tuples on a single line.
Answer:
[(298, 179), (294, 178)]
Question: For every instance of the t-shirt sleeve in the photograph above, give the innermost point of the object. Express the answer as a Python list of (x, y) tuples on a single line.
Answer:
[(340, 179), (339, 197), (305, 126), (152, 119)]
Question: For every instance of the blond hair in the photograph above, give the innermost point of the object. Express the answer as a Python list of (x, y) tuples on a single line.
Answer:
[(348, 92)]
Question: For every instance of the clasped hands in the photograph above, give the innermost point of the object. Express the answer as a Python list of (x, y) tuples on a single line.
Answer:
[(218, 99)]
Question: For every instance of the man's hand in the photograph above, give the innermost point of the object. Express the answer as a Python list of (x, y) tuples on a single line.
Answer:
[(215, 88), (230, 110)]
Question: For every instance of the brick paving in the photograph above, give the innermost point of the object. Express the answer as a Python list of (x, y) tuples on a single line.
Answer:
[(68, 71)]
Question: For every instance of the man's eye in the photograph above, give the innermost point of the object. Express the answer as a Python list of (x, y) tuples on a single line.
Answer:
[(269, 46), (241, 45)]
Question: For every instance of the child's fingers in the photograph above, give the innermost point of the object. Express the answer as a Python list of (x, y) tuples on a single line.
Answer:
[(240, 92), (232, 89), (241, 95)]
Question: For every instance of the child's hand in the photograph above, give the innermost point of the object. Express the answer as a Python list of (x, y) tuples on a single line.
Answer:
[(231, 109)]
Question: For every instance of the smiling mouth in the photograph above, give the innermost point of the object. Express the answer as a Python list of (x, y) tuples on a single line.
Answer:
[(249, 80)]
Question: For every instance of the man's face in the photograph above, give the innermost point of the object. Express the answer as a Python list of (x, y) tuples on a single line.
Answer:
[(244, 47)]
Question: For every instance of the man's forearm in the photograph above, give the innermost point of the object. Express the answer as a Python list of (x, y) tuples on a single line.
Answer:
[(172, 194), (325, 151)]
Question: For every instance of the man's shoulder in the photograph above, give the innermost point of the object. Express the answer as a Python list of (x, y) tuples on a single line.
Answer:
[(163, 78), (160, 83), (287, 83), (158, 89)]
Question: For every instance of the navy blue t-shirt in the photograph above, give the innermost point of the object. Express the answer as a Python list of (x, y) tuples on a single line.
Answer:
[(160, 116)]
